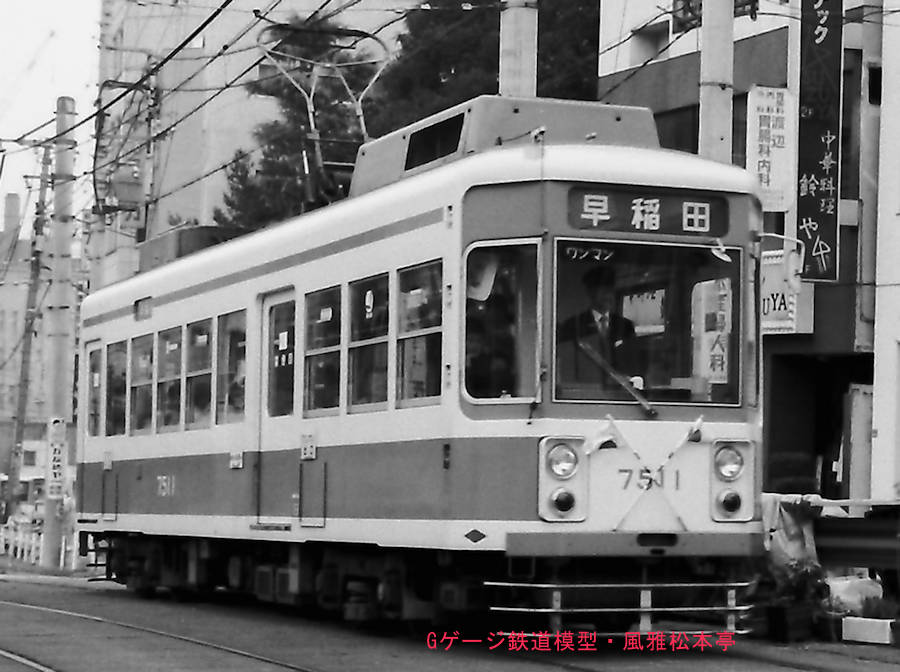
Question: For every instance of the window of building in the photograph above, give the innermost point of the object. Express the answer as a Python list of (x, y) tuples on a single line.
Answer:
[(368, 340), (419, 332), (323, 355), (198, 387), (141, 384), (281, 359), (231, 362), (94, 390), (168, 379), (29, 458)]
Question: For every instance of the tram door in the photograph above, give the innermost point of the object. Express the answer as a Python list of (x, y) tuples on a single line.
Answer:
[(277, 452)]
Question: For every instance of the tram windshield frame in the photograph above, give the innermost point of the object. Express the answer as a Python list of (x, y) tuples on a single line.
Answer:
[(665, 318)]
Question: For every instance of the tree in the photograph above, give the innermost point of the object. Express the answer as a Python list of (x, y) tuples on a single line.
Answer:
[(280, 179), (448, 54), (451, 54)]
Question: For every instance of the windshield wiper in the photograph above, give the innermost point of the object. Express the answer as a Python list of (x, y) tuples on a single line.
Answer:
[(622, 381)]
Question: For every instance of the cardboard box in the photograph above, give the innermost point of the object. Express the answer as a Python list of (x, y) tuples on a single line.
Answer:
[(867, 630)]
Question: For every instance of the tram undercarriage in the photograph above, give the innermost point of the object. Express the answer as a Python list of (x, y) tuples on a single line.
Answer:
[(362, 583)]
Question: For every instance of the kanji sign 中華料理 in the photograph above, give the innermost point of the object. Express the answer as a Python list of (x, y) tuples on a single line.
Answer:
[(818, 164)]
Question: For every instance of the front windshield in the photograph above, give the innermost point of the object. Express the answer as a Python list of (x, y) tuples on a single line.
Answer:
[(663, 318)]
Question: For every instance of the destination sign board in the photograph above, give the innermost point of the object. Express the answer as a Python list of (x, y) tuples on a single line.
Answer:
[(648, 210)]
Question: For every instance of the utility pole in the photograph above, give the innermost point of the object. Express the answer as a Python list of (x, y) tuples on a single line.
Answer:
[(37, 244), (60, 354), (716, 79), (518, 47)]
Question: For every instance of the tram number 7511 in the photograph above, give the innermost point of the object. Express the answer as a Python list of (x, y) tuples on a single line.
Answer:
[(165, 485), (645, 478)]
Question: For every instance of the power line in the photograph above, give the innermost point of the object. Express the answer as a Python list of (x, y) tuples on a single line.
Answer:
[(179, 87), (145, 78), (643, 65), (21, 340)]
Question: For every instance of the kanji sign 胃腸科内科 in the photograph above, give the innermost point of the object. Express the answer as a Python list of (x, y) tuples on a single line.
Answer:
[(771, 141)]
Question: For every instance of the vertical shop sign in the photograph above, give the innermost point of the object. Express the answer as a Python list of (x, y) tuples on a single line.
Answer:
[(771, 141), (819, 137)]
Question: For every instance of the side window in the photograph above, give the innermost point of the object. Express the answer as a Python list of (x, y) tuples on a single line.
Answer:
[(419, 332), (281, 359), (168, 379), (231, 367), (198, 387), (323, 354), (368, 340), (141, 384), (116, 365), (95, 389), (501, 321)]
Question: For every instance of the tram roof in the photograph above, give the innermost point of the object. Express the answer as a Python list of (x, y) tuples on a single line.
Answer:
[(489, 121), (430, 190)]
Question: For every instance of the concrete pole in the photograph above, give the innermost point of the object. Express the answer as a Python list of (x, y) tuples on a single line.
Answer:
[(518, 48), (31, 311), (60, 346), (886, 388), (716, 80)]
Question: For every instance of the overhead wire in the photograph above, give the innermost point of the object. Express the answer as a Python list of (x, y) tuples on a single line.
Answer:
[(18, 343), (171, 126), (145, 77), (219, 90)]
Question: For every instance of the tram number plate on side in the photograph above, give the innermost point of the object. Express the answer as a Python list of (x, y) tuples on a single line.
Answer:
[(645, 478)]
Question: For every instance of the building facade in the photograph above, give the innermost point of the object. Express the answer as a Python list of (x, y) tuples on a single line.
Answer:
[(819, 376), (160, 150)]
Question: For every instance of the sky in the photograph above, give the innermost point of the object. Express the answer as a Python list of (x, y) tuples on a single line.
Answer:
[(49, 50)]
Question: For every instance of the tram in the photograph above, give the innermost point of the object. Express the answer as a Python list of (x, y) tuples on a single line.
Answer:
[(514, 373)]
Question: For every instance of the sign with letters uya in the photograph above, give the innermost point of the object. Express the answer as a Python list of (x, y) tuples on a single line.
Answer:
[(781, 310), (772, 145)]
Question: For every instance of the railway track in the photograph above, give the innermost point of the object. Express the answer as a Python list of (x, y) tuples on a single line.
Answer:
[(537, 661), (31, 664), (26, 663)]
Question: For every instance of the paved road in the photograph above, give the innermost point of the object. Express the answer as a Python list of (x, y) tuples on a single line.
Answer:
[(255, 637)]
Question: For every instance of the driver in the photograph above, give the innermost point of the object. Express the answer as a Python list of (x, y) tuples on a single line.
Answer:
[(601, 327)]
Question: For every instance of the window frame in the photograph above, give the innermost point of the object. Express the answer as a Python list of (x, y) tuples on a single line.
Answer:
[(270, 302), (740, 316), (189, 375), (126, 393), (337, 349), (129, 413), (536, 398), (402, 336), (356, 345), (218, 372), (159, 380), (100, 350)]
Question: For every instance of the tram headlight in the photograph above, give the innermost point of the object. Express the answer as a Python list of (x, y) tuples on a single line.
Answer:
[(729, 463), (562, 460)]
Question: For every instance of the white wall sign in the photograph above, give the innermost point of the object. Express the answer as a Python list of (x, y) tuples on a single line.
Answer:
[(772, 145)]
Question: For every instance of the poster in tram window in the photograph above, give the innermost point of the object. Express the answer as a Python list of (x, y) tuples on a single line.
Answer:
[(711, 321), (819, 137)]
